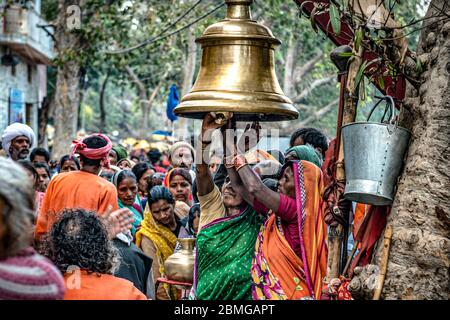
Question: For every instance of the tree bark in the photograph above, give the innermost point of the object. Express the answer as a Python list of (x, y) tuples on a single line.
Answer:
[(67, 96), (419, 261)]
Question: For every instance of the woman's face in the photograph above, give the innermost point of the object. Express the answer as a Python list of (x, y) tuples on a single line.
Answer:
[(43, 179), (180, 189), (127, 191), (125, 165), (112, 157), (230, 197), (69, 165), (143, 181), (287, 184), (163, 213)]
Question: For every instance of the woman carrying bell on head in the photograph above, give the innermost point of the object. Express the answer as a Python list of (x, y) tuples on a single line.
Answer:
[(291, 253), (228, 228)]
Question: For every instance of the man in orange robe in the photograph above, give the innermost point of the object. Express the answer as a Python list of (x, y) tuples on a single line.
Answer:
[(80, 189)]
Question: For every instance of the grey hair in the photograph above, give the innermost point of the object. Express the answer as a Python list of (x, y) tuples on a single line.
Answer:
[(17, 191)]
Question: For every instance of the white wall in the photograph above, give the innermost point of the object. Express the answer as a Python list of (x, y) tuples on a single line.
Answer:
[(33, 93)]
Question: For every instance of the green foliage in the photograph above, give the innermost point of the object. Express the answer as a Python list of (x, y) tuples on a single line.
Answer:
[(359, 35), (335, 18)]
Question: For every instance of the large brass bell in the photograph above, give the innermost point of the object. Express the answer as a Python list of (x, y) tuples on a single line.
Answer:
[(237, 71)]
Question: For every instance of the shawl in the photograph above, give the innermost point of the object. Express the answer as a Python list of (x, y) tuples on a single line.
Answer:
[(164, 241), (277, 272), (225, 249), (306, 152)]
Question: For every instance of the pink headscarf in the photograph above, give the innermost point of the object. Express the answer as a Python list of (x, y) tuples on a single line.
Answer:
[(95, 154)]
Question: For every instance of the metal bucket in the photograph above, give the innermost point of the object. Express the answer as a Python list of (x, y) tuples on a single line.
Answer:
[(373, 157)]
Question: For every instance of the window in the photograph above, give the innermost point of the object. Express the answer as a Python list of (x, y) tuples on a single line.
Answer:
[(28, 112), (30, 73)]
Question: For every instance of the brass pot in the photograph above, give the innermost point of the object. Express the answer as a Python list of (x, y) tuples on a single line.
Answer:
[(180, 265)]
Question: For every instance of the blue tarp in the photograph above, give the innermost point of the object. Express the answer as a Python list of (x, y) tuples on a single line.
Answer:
[(172, 102), (162, 133)]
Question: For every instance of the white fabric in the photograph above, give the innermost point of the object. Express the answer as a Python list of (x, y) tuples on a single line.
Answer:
[(16, 130)]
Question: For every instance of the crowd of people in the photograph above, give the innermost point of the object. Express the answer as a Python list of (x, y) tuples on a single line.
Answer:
[(100, 222)]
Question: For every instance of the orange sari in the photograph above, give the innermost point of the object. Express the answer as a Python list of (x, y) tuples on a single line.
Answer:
[(278, 273)]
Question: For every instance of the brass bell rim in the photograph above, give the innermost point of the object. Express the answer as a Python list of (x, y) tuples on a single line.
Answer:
[(260, 111), (236, 96)]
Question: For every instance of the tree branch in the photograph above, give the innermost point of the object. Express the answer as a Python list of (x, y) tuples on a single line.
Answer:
[(316, 83), (300, 72), (135, 79), (316, 115)]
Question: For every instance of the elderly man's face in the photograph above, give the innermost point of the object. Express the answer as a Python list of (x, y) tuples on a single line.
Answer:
[(20, 148), (182, 158)]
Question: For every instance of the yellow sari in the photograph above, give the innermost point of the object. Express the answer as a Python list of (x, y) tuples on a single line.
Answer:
[(164, 241)]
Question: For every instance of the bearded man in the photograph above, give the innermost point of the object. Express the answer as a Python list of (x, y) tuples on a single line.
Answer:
[(17, 140)]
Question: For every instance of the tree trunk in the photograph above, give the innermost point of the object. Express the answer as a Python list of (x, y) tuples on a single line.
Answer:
[(67, 83), (44, 115), (181, 131), (419, 260), (143, 100), (66, 108), (102, 104), (291, 57)]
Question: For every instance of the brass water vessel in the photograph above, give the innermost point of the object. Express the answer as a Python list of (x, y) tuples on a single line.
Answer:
[(180, 265), (237, 72)]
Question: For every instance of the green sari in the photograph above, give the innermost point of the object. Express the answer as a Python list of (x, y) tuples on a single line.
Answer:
[(225, 249)]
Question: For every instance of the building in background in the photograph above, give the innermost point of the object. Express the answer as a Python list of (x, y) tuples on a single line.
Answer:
[(26, 49)]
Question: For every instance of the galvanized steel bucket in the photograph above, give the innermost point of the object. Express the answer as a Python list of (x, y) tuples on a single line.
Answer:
[(373, 157)]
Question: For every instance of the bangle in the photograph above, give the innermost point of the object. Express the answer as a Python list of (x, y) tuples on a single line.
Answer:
[(239, 161), (204, 143), (229, 162)]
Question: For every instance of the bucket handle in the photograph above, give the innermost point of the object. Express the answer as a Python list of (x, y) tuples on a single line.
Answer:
[(389, 101)]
